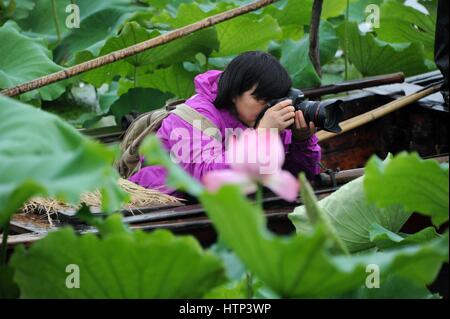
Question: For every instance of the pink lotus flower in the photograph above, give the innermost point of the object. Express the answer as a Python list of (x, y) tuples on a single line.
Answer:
[(256, 157)]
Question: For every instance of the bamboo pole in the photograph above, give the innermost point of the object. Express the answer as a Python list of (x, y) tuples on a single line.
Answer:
[(381, 111), (134, 49), (312, 93)]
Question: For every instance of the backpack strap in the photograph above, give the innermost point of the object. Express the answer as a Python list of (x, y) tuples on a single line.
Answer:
[(190, 115), (148, 123)]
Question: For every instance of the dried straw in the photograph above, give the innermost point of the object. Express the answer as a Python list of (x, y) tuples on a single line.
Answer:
[(140, 197)]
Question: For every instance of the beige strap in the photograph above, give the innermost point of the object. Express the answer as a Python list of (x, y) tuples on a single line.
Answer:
[(190, 115)]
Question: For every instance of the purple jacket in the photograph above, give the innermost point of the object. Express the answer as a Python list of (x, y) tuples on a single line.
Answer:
[(204, 157)]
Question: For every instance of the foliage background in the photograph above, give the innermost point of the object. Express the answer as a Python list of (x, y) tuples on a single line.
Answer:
[(36, 41)]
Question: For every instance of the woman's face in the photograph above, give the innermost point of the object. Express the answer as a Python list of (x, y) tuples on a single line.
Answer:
[(248, 107)]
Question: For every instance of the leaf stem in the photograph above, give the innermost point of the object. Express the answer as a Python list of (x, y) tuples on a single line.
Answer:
[(347, 12), (317, 215), (207, 64), (4, 245), (55, 17), (249, 281), (259, 197)]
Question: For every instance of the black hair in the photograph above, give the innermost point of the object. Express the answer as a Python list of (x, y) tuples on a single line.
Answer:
[(248, 69)]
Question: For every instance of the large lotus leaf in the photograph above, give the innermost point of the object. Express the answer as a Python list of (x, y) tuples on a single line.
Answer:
[(386, 239), (234, 268), (138, 100), (23, 59), (232, 290), (352, 216), (184, 49), (41, 155), (333, 8), (418, 264), (416, 184), (372, 56), (167, 4), (172, 7), (295, 56), (8, 288), (191, 12), (107, 97), (42, 22), (400, 23), (119, 265), (291, 12), (97, 20), (15, 9), (292, 16), (6, 10), (174, 80), (240, 284), (176, 51), (301, 265), (360, 10), (256, 35), (23, 8), (393, 287), (93, 29), (328, 41)]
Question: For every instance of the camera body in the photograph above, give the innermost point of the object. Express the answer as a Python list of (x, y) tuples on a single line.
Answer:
[(325, 115)]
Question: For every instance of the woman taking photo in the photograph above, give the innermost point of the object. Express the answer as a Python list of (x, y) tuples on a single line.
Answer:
[(232, 100)]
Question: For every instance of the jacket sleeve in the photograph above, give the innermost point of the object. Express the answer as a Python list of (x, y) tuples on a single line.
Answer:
[(194, 151), (303, 156)]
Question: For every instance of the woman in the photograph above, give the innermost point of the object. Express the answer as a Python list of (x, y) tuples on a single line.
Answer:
[(232, 100)]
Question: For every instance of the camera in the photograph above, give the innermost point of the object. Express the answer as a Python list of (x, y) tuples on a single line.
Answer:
[(325, 115)]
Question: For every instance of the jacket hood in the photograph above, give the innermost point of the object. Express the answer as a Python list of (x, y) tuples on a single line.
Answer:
[(206, 87), (206, 84)]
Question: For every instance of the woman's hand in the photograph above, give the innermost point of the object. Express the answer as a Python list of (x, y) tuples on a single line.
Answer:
[(280, 116), (301, 131)]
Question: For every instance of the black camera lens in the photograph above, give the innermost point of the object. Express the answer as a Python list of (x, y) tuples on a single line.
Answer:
[(333, 116), (325, 115)]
